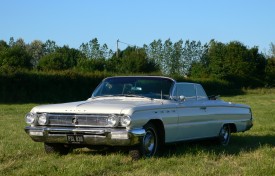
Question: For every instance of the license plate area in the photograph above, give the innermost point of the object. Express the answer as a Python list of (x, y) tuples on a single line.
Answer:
[(75, 139)]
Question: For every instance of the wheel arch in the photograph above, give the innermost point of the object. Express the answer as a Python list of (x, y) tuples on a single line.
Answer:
[(160, 129), (233, 128)]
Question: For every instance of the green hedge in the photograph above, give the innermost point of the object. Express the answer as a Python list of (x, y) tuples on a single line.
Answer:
[(24, 87), (54, 87)]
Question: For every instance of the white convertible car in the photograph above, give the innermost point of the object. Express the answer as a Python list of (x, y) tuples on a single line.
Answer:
[(140, 112)]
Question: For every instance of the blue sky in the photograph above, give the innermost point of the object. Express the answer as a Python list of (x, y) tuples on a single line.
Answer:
[(72, 22)]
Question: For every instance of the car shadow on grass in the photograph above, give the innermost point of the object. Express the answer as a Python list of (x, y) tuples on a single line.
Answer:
[(237, 145)]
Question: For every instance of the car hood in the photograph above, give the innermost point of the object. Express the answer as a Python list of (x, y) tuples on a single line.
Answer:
[(98, 105)]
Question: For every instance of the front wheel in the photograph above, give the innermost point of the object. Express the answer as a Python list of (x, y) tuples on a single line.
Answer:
[(149, 144), (224, 135)]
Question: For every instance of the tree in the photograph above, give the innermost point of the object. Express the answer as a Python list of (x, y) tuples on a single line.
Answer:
[(232, 61), (154, 53), (37, 50), (244, 62), (20, 43), (192, 53), (89, 65), (11, 42), (167, 57), (3, 45), (131, 60), (95, 56), (271, 51), (62, 59), (50, 47), (70, 56), (134, 60), (52, 61), (216, 59), (270, 71), (199, 70), (270, 66), (15, 57), (257, 62), (175, 58), (114, 63), (93, 50)]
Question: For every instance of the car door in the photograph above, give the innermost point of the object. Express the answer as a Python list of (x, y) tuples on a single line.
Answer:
[(213, 122), (193, 120)]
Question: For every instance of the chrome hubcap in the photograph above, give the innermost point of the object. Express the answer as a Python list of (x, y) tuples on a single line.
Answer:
[(149, 143), (224, 135)]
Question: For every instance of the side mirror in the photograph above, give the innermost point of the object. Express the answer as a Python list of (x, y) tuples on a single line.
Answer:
[(182, 98)]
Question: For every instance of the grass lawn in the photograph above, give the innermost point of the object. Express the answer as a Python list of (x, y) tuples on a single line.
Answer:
[(249, 153)]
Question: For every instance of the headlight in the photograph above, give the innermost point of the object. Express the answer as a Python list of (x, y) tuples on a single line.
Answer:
[(125, 120), (30, 118), (43, 119), (112, 120)]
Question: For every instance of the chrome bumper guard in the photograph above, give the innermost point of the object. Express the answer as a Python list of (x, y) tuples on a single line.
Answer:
[(91, 136)]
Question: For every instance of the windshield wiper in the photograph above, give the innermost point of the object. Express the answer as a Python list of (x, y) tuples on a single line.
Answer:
[(135, 95), (103, 96), (123, 95)]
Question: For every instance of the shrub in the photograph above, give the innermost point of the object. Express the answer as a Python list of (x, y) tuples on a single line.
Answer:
[(41, 87)]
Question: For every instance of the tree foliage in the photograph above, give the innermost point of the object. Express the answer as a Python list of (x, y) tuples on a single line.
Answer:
[(37, 50), (226, 61), (131, 60), (14, 57), (94, 56), (231, 61), (61, 59), (90, 65), (175, 58), (93, 50), (3, 45), (49, 47), (270, 66)]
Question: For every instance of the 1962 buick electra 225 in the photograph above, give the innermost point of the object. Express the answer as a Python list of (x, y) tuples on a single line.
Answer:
[(139, 113)]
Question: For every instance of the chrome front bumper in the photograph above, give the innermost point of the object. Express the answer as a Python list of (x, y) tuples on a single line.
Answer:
[(91, 136)]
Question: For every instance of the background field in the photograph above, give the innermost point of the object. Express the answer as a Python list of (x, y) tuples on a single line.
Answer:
[(249, 153)]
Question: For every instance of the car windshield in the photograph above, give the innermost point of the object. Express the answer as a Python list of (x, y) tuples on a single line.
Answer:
[(151, 87)]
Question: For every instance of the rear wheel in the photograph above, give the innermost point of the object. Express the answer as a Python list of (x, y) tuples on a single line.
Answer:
[(57, 148), (224, 135)]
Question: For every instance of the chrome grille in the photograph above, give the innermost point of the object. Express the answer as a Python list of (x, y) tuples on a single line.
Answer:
[(96, 120)]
